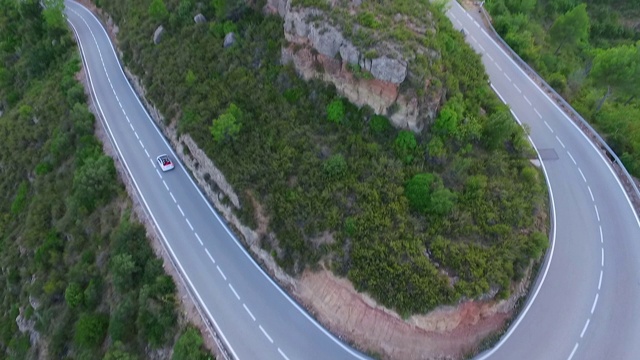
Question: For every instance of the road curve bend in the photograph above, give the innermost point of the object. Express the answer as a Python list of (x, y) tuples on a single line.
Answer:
[(584, 304), (254, 317)]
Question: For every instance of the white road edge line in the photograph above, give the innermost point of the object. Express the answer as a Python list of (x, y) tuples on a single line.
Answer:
[(107, 128), (553, 234), (283, 355), (265, 334), (234, 291), (575, 163), (221, 273), (209, 255), (595, 302), (584, 329), (248, 312), (199, 240), (204, 199)]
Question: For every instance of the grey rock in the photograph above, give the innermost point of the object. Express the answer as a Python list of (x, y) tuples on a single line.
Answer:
[(386, 69), (356, 3), (199, 19), (349, 53), (157, 35), (229, 39), (326, 39)]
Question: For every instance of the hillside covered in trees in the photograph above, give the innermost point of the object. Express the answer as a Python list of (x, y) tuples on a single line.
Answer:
[(78, 278), (590, 53), (417, 220)]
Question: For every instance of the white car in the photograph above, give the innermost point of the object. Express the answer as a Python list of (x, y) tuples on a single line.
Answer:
[(164, 162)]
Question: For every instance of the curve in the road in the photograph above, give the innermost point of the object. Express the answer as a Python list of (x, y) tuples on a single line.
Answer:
[(333, 348)]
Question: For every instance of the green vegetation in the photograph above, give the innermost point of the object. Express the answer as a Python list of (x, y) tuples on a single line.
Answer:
[(75, 265), (589, 52), (317, 163)]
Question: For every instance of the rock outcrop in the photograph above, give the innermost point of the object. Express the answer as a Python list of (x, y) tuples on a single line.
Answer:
[(199, 19), (229, 39), (318, 49), (157, 35)]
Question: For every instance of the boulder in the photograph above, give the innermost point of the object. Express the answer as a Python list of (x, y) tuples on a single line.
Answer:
[(157, 35), (229, 39), (199, 19), (386, 69)]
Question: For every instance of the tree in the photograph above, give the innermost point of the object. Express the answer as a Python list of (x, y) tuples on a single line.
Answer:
[(158, 10), (570, 27), (74, 295), (405, 145), (94, 182), (123, 268), (90, 330), (189, 346), (335, 167), (619, 68), (227, 125), (121, 324), (418, 190), (335, 111)]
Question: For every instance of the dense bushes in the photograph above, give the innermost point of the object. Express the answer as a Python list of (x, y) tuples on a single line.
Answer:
[(73, 262), (317, 163), (589, 53)]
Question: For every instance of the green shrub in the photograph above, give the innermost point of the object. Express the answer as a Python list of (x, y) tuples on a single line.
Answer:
[(74, 295), (90, 330), (335, 167), (189, 346), (379, 124), (336, 111)]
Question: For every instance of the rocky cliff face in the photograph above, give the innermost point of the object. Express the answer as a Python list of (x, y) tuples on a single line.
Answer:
[(318, 49)]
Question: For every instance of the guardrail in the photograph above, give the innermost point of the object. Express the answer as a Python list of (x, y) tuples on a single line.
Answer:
[(628, 182)]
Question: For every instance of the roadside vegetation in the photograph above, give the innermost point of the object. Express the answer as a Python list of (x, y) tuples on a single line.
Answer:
[(416, 220), (589, 52), (78, 278)]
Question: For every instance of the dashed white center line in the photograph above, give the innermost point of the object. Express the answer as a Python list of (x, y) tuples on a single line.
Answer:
[(537, 113), (265, 334), (527, 100), (475, 22), (517, 88), (165, 185), (601, 237), (469, 16), (136, 134), (234, 291), (221, 273), (199, 240), (481, 48), (283, 355), (249, 312), (146, 152), (597, 213), (600, 281), (595, 302), (484, 32), (602, 257), (160, 175), (188, 223), (574, 163), (498, 66), (474, 39), (548, 126), (181, 212), (459, 23), (174, 199), (560, 141), (489, 56), (582, 174), (132, 129), (152, 162), (209, 255), (575, 347), (584, 329), (140, 141), (590, 193), (507, 76)]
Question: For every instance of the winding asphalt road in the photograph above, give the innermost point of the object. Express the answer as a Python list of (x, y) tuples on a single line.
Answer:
[(584, 306)]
